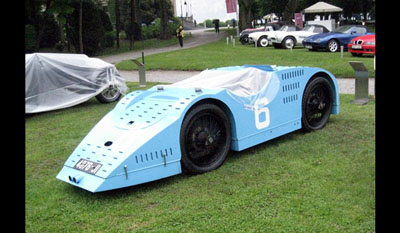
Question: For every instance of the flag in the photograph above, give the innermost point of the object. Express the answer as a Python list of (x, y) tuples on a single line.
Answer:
[(230, 6)]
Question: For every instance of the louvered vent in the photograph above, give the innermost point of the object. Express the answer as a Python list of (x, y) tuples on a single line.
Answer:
[(290, 85)]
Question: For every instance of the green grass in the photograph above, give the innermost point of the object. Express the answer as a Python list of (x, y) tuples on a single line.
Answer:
[(125, 46), (139, 45), (218, 54), (323, 181)]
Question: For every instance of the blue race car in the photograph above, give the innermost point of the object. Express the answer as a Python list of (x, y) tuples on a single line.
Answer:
[(331, 41), (190, 126)]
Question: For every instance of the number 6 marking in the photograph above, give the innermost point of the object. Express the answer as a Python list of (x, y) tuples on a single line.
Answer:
[(257, 112)]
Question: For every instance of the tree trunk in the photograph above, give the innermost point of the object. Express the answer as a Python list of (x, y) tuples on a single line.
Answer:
[(289, 11), (39, 32), (138, 20), (132, 24), (117, 21), (80, 28), (245, 14), (164, 30)]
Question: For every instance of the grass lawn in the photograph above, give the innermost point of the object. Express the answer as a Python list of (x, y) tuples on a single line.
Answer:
[(323, 181), (219, 54)]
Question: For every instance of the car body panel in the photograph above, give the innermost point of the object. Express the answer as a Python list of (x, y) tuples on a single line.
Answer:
[(278, 37), (244, 35), (320, 41), (255, 36), (362, 45), (138, 141)]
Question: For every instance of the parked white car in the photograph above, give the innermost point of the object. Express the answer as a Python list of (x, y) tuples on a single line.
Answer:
[(261, 38), (287, 40)]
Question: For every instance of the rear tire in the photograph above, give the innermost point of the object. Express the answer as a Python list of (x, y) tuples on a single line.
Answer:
[(109, 95), (317, 104), (205, 139), (289, 42)]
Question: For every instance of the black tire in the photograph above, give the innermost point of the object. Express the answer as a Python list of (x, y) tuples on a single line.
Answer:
[(333, 46), (244, 39), (108, 95), (263, 41), (205, 139), (317, 104)]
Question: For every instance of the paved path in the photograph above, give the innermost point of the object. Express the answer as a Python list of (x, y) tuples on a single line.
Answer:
[(199, 37), (346, 85)]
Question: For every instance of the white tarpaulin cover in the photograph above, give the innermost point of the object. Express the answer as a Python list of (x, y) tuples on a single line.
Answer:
[(246, 85), (55, 80)]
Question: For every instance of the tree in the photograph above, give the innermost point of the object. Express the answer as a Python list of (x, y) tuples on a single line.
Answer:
[(93, 31), (80, 28), (247, 12), (117, 21), (164, 29), (289, 11), (132, 24)]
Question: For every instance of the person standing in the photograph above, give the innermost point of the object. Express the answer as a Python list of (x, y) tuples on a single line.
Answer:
[(180, 33)]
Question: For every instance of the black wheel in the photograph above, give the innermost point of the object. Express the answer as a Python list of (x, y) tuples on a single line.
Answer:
[(205, 139), (317, 104), (244, 40), (110, 94), (333, 45)]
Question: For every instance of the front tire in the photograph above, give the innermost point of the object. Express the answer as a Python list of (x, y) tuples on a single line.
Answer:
[(263, 41), (333, 46), (317, 104), (205, 139)]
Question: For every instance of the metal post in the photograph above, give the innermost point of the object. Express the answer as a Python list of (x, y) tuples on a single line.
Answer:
[(341, 51), (361, 82), (142, 73)]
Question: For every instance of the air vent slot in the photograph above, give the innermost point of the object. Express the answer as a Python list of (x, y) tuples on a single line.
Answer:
[(292, 74), (290, 86), (290, 99), (153, 156)]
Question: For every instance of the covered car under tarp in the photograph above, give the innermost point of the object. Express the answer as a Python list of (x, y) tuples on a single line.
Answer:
[(55, 81)]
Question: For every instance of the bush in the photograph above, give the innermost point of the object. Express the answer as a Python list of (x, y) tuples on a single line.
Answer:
[(153, 30)]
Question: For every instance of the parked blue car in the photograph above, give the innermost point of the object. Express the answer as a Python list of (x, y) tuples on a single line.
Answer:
[(331, 41)]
